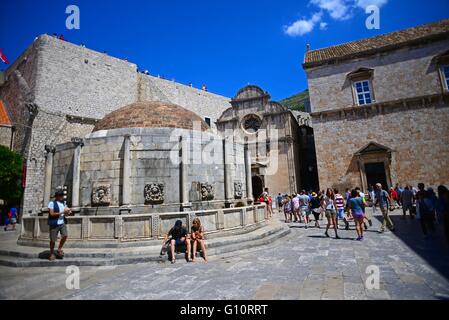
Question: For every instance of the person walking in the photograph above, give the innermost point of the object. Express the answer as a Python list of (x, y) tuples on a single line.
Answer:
[(394, 198), (287, 205), (443, 209), (366, 215), (399, 191), (315, 206), (419, 194), (427, 204), (304, 207), (340, 206), (267, 199), (279, 199), (356, 207), (331, 212), (296, 208), (57, 212), (407, 200), (384, 202), (372, 198)]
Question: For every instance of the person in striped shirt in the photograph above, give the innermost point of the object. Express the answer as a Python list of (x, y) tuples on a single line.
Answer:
[(340, 205)]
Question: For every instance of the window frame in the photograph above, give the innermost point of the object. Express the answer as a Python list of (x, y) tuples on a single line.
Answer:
[(444, 80), (208, 123), (356, 94)]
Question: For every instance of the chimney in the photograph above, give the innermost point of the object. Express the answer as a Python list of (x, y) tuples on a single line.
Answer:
[(308, 47)]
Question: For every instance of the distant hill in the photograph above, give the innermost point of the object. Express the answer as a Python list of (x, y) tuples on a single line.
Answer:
[(298, 102)]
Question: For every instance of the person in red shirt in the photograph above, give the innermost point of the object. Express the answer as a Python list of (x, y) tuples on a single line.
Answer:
[(394, 196)]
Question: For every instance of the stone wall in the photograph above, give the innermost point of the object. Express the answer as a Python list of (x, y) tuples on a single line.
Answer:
[(417, 135), (154, 158), (408, 72), (5, 136), (203, 103), (120, 231), (66, 79)]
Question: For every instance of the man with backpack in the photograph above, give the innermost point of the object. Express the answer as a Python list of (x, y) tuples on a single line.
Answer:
[(57, 210)]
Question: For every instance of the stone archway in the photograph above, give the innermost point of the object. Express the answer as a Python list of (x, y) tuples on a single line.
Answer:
[(258, 184)]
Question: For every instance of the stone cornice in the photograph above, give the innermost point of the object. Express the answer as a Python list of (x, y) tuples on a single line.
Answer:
[(81, 120), (383, 107)]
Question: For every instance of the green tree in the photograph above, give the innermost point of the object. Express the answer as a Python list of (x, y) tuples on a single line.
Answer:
[(10, 175)]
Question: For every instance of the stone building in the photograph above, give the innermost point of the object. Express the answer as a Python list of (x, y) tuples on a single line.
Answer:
[(57, 90), (280, 141), (380, 108), (149, 157)]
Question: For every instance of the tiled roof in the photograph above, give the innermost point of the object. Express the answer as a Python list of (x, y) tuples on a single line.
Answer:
[(369, 45), (4, 118), (151, 114)]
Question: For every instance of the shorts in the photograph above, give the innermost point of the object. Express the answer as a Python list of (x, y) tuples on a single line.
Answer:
[(179, 242), (305, 211), (358, 215), (341, 214), (316, 214), (58, 229), (331, 213)]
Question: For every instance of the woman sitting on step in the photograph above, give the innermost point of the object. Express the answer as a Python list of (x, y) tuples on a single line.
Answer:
[(197, 237)]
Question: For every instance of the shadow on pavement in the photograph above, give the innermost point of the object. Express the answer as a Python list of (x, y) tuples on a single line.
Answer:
[(434, 250)]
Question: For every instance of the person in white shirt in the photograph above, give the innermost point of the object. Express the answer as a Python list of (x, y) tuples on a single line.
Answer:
[(57, 211), (331, 212)]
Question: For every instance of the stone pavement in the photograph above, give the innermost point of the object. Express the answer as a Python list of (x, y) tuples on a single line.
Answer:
[(303, 265)]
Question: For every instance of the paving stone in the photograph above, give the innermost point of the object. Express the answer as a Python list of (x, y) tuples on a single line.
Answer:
[(295, 268)]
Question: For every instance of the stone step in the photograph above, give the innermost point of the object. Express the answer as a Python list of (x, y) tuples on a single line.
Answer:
[(108, 257)]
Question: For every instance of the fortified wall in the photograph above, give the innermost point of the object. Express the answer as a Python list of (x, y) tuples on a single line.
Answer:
[(57, 90)]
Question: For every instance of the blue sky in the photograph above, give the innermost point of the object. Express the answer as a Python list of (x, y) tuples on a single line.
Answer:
[(223, 44)]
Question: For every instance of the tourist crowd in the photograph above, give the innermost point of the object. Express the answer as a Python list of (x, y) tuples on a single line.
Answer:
[(352, 205)]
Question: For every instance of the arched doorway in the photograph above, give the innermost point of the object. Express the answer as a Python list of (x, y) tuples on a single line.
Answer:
[(257, 182)]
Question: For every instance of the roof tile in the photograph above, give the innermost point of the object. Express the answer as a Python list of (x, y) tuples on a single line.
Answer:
[(396, 38), (4, 118)]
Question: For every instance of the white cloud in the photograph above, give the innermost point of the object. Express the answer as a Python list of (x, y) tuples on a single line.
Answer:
[(303, 26), (365, 3), (337, 9)]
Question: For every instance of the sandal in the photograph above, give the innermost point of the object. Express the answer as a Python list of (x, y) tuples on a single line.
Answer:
[(52, 257), (61, 253)]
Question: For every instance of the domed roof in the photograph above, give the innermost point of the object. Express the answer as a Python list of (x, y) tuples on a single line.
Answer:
[(152, 114)]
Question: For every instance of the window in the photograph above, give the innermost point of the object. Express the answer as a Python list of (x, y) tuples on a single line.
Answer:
[(445, 73), (207, 120), (363, 93), (251, 123)]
